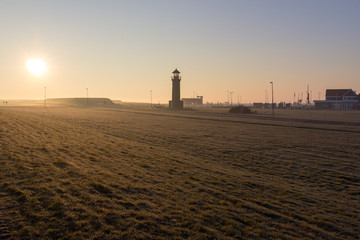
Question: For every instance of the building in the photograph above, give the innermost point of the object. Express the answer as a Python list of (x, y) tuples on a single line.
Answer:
[(258, 105), (192, 102), (176, 103), (339, 99)]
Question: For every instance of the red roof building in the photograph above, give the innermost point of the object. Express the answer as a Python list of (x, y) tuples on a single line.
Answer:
[(340, 94), (339, 99)]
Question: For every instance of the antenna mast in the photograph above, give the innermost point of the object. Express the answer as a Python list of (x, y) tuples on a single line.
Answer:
[(308, 95)]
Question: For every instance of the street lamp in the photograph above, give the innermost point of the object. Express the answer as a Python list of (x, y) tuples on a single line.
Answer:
[(45, 96), (272, 98), (150, 98)]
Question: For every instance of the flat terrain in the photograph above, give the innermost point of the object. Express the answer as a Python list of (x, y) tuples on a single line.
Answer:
[(75, 173)]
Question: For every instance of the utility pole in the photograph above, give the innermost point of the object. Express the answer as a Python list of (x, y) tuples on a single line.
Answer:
[(150, 98), (227, 96), (231, 93), (272, 98), (45, 96), (87, 97)]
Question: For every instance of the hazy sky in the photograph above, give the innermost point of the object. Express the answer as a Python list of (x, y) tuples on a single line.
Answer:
[(124, 49)]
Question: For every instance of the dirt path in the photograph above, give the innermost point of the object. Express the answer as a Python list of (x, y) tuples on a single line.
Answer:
[(321, 125)]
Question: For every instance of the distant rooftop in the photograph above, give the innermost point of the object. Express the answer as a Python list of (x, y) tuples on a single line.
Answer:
[(338, 92)]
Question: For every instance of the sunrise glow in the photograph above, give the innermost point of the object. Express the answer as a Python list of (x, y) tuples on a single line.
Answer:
[(36, 66)]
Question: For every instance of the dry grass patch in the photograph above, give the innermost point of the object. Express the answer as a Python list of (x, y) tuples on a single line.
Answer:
[(124, 174)]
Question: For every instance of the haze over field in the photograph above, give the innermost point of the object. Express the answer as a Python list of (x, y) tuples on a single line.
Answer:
[(124, 49)]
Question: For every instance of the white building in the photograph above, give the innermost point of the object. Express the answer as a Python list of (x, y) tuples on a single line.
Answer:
[(193, 102)]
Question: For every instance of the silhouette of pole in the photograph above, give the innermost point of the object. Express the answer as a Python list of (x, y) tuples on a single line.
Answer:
[(45, 96), (87, 97), (272, 98), (150, 98), (227, 96)]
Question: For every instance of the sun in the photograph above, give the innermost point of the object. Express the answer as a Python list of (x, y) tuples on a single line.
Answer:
[(36, 66)]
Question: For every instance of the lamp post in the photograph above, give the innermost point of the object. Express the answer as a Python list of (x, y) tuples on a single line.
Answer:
[(272, 98), (45, 96), (87, 97), (227, 96), (150, 98)]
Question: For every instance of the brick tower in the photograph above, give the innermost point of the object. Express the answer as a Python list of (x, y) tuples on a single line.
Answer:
[(175, 103)]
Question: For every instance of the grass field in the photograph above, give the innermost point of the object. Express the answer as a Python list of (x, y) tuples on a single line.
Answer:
[(75, 173)]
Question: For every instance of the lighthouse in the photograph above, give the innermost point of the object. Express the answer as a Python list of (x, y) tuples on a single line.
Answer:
[(175, 103)]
